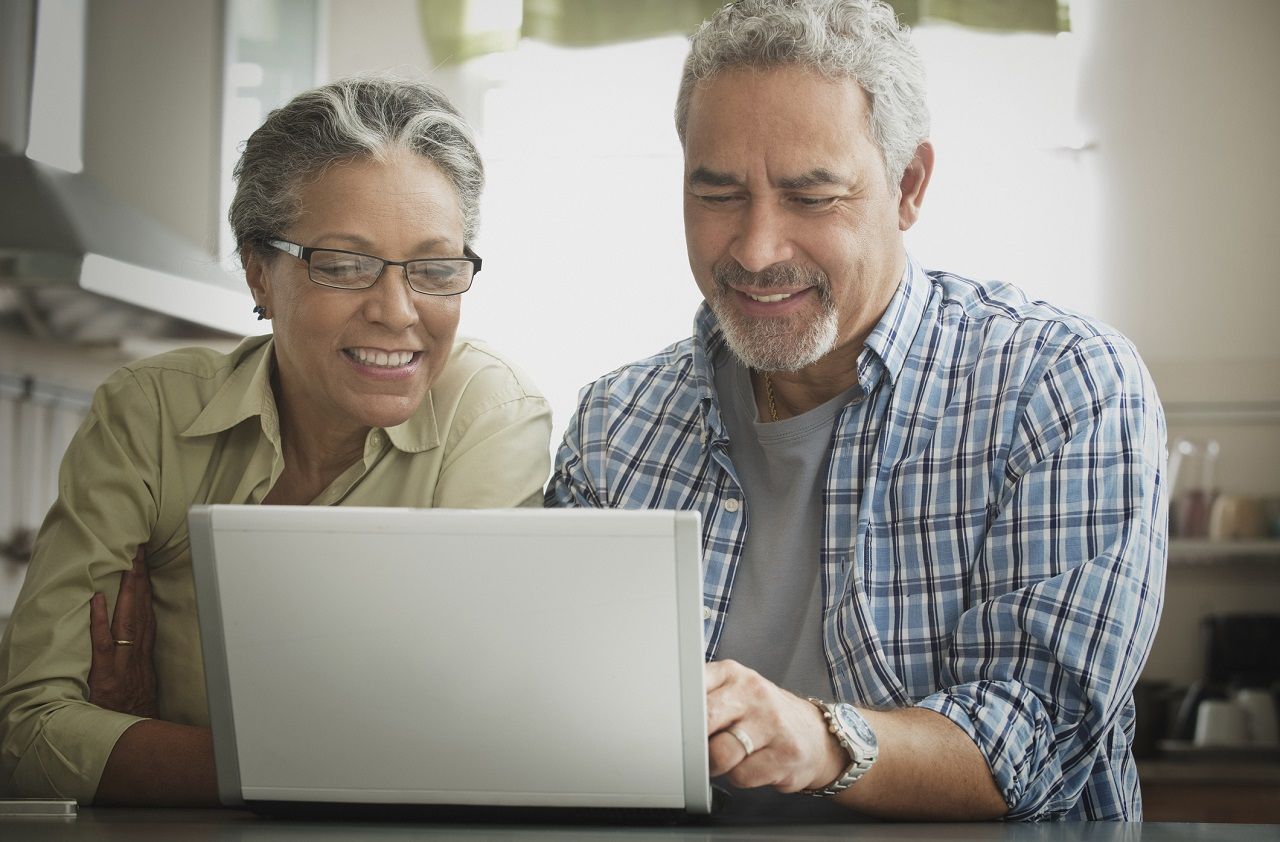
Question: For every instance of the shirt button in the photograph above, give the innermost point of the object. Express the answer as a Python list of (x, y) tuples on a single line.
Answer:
[(706, 612), (375, 439), (732, 504)]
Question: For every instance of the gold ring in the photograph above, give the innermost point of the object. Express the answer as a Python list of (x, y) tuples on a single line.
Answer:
[(742, 737), (123, 642)]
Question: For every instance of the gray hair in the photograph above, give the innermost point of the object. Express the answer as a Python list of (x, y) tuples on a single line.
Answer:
[(358, 117), (851, 39)]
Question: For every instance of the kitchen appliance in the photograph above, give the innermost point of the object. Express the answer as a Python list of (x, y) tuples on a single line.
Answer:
[(61, 233)]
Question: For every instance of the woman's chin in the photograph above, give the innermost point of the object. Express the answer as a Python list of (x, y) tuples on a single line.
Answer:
[(386, 411)]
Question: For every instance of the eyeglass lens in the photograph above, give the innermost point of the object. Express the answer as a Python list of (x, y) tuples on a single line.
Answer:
[(357, 271)]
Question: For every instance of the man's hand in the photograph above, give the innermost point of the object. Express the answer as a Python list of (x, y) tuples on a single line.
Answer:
[(122, 675), (792, 748)]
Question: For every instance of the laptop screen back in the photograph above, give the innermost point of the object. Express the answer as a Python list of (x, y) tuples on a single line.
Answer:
[(401, 656)]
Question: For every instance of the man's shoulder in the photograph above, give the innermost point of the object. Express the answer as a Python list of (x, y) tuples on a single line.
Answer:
[(671, 369), (994, 315), (996, 334)]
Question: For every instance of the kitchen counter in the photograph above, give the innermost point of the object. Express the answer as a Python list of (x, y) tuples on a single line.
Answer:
[(1218, 790), (231, 826)]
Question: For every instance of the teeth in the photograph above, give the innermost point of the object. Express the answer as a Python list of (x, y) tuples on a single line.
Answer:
[(383, 359), (770, 299)]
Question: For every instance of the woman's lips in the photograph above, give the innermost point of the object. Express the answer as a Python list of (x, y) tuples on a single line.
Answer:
[(384, 365)]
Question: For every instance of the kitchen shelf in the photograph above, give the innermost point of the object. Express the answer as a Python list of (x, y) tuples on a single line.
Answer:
[(1202, 551)]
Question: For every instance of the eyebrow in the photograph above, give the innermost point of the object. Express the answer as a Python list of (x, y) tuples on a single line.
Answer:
[(711, 178), (818, 177), (813, 178)]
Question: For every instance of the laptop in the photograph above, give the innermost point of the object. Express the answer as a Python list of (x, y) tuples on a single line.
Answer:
[(473, 659)]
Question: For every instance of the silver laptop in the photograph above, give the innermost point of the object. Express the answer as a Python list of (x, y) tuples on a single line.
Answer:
[(513, 658)]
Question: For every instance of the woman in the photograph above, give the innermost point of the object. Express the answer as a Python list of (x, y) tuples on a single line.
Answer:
[(354, 207)]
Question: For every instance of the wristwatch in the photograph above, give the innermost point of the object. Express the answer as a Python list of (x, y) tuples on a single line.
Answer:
[(855, 736)]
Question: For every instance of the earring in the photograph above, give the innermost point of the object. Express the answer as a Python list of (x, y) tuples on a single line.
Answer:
[(261, 311)]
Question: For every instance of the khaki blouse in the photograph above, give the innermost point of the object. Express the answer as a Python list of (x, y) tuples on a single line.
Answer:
[(197, 426)]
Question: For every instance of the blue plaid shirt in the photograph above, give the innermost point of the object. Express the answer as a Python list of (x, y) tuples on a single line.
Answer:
[(994, 523)]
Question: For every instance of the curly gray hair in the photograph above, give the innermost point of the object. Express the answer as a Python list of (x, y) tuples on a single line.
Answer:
[(854, 39), (369, 116)]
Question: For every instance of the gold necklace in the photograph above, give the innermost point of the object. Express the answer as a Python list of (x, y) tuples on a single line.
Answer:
[(768, 391)]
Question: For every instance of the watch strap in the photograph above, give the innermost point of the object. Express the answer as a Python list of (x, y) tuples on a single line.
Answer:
[(859, 764)]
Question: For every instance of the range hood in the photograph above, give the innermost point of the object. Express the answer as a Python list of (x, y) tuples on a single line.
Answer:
[(64, 235)]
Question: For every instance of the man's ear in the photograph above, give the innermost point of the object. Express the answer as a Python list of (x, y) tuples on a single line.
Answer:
[(915, 180)]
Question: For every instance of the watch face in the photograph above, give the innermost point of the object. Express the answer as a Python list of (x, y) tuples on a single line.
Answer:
[(853, 722)]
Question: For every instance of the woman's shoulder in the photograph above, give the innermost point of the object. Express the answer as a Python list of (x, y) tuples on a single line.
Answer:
[(190, 375), (478, 373)]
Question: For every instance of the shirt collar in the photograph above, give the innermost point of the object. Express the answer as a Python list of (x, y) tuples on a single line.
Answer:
[(419, 432), (891, 339), (247, 393), (708, 343), (889, 342)]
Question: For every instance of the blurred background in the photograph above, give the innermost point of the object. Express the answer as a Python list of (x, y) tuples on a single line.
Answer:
[(1109, 156)]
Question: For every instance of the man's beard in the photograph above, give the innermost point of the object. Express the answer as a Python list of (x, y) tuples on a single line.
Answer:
[(779, 343)]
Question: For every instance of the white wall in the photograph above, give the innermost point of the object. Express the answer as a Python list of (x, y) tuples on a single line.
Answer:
[(1180, 96)]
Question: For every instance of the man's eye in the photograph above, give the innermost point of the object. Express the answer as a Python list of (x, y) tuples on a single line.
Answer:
[(815, 201), (717, 199)]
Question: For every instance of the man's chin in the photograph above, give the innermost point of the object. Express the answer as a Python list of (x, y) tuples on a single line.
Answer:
[(778, 347)]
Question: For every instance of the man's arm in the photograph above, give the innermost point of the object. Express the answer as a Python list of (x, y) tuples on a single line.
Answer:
[(927, 768), (1066, 592)]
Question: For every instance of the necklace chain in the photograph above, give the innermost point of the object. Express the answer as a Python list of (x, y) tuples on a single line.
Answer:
[(768, 391)]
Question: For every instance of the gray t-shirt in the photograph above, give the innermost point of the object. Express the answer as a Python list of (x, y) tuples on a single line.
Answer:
[(774, 624)]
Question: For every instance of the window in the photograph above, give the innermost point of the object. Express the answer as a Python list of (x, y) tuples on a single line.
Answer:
[(582, 233)]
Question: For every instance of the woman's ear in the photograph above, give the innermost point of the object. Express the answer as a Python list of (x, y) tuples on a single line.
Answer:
[(255, 273)]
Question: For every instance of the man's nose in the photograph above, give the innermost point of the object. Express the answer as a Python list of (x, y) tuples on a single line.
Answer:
[(763, 239)]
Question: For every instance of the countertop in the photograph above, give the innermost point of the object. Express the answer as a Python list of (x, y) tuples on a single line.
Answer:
[(233, 826)]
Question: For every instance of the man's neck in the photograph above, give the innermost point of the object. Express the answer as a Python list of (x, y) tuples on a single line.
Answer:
[(796, 392)]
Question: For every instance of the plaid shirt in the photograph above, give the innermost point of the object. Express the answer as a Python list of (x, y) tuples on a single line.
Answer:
[(994, 523)]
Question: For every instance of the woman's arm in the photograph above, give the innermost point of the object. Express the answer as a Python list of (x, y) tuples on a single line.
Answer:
[(153, 762), (160, 763)]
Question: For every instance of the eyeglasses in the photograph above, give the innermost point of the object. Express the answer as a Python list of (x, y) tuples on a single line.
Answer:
[(352, 270)]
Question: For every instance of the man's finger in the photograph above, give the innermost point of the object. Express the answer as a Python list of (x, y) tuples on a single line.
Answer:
[(716, 673)]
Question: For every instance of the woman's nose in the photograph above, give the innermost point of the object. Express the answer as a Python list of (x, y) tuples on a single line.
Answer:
[(390, 301)]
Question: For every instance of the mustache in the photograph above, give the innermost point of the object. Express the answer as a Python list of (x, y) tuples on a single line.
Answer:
[(780, 275)]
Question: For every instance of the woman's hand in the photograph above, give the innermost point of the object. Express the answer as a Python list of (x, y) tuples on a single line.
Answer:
[(122, 675)]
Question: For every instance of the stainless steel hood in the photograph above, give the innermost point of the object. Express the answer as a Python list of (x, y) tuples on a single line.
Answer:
[(61, 231)]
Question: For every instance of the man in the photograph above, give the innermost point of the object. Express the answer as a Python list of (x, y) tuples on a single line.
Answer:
[(923, 496)]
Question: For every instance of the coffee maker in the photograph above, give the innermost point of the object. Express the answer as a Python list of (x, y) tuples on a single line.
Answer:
[(1239, 652)]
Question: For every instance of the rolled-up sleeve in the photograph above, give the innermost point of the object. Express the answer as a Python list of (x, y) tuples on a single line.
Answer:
[(52, 741), (1041, 676)]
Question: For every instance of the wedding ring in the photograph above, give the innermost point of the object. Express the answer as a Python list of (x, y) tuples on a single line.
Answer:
[(742, 737), (123, 642)]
